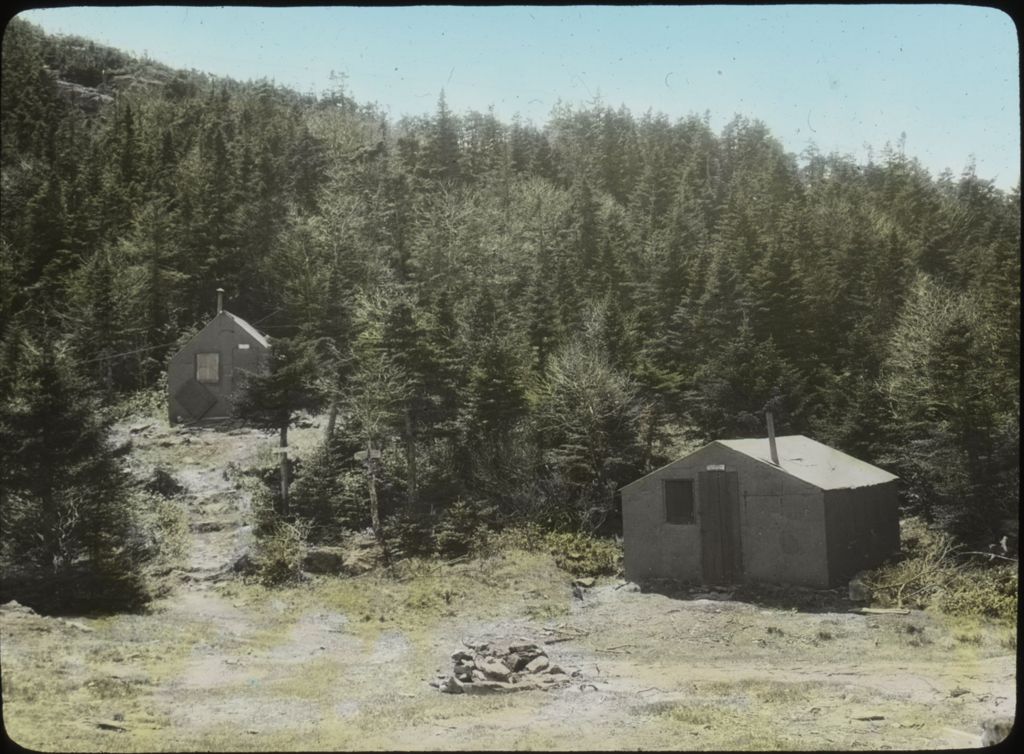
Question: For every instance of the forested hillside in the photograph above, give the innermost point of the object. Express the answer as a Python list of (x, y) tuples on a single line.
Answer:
[(524, 318)]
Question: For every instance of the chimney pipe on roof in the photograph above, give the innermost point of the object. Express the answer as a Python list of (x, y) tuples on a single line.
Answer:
[(771, 436), (220, 300)]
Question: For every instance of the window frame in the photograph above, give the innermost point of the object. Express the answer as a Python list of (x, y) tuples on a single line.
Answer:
[(691, 518), (199, 375)]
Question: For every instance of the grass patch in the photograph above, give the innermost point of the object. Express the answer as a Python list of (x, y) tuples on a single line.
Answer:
[(578, 554), (416, 594), (968, 637), (739, 716), (700, 714), (1008, 640)]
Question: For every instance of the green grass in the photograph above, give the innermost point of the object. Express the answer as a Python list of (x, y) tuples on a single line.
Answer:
[(58, 683), (742, 715), (417, 594)]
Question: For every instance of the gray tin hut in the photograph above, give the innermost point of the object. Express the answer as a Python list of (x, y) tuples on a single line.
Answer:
[(728, 513), (203, 376)]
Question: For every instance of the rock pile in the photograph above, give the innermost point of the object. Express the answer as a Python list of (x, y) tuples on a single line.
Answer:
[(499, 666)]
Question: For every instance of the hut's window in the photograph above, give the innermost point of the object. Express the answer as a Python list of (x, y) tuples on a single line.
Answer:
[(208, 367), (679, 501), (243, 346)]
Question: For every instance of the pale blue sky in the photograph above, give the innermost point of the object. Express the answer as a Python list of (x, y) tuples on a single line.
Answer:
[(843, 75)]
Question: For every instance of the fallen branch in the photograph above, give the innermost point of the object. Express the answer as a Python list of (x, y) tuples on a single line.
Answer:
[(880, 611), (570, 631), (990, 555), (453, 561), (110, 725)]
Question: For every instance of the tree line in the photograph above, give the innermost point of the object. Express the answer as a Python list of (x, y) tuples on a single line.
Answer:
[(522, 318)]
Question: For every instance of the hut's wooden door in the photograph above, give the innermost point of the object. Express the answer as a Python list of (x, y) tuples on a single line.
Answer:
[(719, 508)]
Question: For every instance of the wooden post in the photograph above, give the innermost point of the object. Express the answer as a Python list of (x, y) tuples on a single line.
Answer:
[(372, 482), (368, 456), (410, 460), (284, 469), (771, 436), (332, 419)]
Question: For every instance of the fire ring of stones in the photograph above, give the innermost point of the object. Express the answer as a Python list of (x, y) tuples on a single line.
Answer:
[(501, 666)]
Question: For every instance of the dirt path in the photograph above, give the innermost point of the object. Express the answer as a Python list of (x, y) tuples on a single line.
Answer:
[(206, 462), (233, 652), (344, 663)]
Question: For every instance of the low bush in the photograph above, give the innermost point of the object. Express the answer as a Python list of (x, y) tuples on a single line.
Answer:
[(936, 573), (278, 554), (166, 522), (150, 403), (329, 495), (264, 505), (464, 527), (163, 482), (579, 554), (989, 591), (410, 534), (583, 555)]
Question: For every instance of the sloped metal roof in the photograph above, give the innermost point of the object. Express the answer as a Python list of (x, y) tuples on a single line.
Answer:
[(813, 462), (801, 457), (256, 334)]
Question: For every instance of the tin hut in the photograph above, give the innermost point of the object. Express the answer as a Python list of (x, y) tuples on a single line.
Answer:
[(781, 510), (203, 376)]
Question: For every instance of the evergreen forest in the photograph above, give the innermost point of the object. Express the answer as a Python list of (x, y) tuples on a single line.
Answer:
[(522, 318)]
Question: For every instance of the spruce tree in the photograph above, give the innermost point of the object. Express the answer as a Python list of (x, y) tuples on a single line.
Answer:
[(72, 532)]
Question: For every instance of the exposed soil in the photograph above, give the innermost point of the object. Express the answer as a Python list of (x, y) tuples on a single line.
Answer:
[(221, 664)]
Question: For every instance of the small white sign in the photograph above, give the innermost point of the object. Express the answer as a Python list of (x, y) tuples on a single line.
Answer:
[(716, 467), (243, 346)]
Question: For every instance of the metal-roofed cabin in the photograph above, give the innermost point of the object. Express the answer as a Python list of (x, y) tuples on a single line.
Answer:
[(735, 511), (204, 376)]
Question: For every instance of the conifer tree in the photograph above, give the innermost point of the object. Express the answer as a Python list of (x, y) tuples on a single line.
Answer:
[(273, 399), (587, 421), (72, 533)]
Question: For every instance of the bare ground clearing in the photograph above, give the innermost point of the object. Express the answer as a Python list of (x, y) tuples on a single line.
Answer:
[(344, 663)]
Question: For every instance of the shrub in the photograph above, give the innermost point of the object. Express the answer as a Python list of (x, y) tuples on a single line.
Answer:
[(461, 529), (166, 525), (935, 573), (163, 482), (150, 403), (464, 527), (351, 504), (583, 555), (579, 554), (329, 495), (263, 502), (279, 553), (411, 533), (982, 590)]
